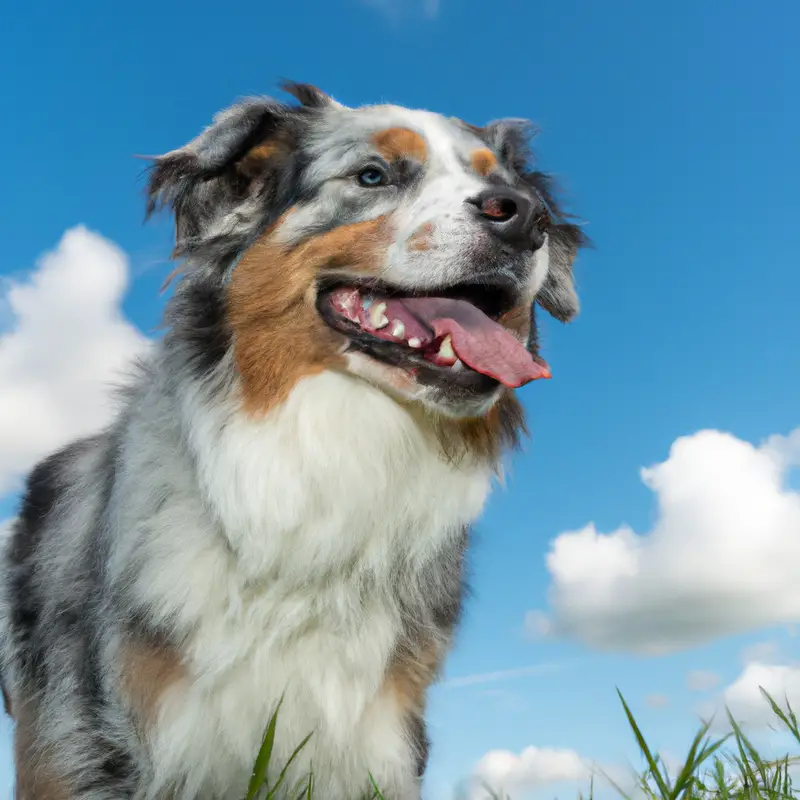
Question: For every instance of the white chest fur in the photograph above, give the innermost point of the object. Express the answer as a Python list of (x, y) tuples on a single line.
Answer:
[(321, 502)]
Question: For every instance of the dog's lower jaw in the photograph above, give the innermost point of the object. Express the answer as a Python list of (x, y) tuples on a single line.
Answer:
[(401, 385)]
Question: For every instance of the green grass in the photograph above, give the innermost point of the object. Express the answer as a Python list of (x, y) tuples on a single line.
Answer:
[(724, 768)]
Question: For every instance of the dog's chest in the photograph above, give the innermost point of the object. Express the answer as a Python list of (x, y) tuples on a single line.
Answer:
[(340, 477), (335, 508), (325, 652)]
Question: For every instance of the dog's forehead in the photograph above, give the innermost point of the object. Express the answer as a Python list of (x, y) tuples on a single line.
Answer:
[(444, 136), (440, 141)]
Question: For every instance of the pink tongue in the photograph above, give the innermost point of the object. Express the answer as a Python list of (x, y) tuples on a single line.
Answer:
[(478, 341)]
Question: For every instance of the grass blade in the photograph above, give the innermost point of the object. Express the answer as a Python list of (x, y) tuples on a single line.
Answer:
[(789, 720), (662, 784), (310, 785), (282, 776), (377, 795), (259, 776), (749, 777)]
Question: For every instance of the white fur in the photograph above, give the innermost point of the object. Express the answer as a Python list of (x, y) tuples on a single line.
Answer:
[(541, 266), (338, 485)]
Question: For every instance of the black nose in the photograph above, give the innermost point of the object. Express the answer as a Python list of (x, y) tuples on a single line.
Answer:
[(511, 216)]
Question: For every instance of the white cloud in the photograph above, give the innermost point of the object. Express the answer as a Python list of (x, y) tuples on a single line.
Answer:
[(657, 701), (537, 624), (701, 680), (65, 344), (766, 652), (786, 449), (745, 701), (722, 557), (500, 675), (531, 769)]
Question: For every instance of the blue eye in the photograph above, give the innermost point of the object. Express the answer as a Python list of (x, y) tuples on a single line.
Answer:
[(372, 177)]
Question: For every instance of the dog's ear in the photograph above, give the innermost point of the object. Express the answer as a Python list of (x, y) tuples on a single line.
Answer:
[(237, 176), (558, 296), (510, 138), (308, 95)]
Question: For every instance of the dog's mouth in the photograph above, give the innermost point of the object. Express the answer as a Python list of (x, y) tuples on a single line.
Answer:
[(454, 332)]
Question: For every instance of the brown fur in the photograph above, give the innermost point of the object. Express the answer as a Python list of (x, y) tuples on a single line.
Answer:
[(396, 143), (263, 151), (411, 673), (485, 437), (279, 337), (147, 671), (483, 161), (422, 238), (254, 162), (517, 320), (480, 437), (35, 776)]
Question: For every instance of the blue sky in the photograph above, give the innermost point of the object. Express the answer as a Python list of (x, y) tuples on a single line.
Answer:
[(674, 130)]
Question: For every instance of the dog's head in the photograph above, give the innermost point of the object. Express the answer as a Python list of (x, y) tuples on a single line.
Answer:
[(400, 245)]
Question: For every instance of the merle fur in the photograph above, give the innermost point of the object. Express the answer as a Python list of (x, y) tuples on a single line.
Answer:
[(61, 607)]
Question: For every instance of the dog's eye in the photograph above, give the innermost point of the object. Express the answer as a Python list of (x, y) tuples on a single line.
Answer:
[(371, 177)]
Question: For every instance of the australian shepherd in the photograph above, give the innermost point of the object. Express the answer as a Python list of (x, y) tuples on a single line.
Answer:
[(282, 505)]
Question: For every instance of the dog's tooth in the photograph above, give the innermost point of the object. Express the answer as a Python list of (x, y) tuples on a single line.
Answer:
[(351, 313), (446, 348), (414, 342), (345, 303), (458, 365), (377, 317), (366, 303), (398, 329)]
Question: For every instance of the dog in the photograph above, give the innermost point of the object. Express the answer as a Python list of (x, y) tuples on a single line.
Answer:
[(280, 511)]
